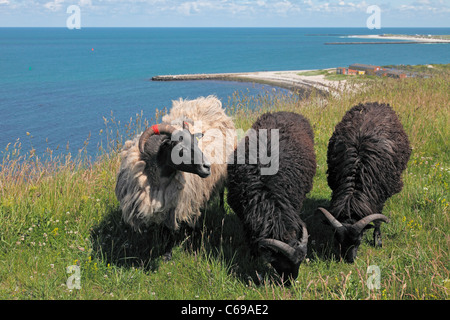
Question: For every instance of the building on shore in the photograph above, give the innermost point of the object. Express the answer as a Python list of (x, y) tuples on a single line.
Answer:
[(393, 73), (348, 71), (367, 68), (361, 69)]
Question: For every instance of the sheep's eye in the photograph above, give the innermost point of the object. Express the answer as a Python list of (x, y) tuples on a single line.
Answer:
[(198, 136), (181, 153)]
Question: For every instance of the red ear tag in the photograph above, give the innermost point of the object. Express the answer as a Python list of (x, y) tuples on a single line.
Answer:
[(155, 129)]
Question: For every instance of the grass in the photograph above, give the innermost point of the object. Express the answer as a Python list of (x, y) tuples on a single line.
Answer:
[(331, 75), (62, 211), (428, 70), (423, 70), (313, 73)]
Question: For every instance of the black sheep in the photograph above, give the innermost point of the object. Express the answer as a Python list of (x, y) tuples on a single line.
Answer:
[(269, 205), (367, 154)]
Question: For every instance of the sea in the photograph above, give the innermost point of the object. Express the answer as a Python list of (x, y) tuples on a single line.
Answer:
[(57, 86)]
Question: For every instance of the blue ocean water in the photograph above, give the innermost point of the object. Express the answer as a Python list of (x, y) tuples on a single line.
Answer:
[(58, 84)]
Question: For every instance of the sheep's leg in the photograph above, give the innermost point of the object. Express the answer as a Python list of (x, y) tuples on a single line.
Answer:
[(377, 241), (169, 235), (222, 199)]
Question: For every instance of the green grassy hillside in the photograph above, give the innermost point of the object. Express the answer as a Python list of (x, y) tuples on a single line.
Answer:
[(62, 211)]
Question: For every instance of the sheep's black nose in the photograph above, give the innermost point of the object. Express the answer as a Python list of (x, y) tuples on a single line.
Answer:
[(204, 170)]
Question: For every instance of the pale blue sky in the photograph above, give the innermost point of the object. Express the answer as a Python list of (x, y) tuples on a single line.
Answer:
[(224, 13)]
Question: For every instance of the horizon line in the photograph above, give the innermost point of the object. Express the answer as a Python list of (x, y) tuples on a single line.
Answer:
[(222, 27)]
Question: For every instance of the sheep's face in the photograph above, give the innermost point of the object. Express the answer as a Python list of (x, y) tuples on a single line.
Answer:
[(349, 233), (284, 266), (285, 257), (349, 241), (187, 156)]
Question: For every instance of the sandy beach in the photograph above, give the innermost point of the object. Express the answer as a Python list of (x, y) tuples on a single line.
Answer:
[(292, 79), (406, 38)]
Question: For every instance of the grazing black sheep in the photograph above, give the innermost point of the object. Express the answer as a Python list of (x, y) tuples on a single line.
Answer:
[(269, 204), (367, 154)]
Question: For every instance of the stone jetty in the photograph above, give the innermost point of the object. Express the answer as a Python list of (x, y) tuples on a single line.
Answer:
[(291, 80)]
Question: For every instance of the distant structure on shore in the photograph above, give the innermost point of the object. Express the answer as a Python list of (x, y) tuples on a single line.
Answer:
[(362, 69), (359, 69)]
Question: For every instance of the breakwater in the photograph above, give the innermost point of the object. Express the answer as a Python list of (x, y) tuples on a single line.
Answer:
[(291, 80), (240, 77), (200, 76)]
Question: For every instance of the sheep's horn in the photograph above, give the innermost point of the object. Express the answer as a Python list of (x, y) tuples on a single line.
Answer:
[(334, 222), (280, 246), (161, 128), (303, 245), (304, 239), (361, 224)]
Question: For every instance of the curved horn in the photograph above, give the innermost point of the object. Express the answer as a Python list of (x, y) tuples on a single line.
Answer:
[(334, 222), (304, 239), (155, 129), (280, 246), (359, 225)]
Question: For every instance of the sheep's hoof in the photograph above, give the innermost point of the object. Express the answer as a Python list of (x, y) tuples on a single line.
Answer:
[(377, 242)]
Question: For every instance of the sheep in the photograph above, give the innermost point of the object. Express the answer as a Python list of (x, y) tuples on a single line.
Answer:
[(366, 156), (269, 205), (168, 174)]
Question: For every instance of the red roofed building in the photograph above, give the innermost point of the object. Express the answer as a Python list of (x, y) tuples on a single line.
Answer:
[(348, 71), (367, 68)]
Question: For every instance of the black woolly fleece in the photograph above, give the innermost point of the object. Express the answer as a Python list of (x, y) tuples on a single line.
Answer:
[(366, 156), (269, 205)]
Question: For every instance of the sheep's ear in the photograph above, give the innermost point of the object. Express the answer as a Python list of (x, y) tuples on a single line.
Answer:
[(185, 125)]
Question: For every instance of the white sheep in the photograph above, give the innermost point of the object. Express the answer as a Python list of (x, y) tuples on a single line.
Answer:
[(153, 189)]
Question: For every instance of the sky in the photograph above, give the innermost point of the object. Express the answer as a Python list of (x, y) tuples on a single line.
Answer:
[(224, 13)]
